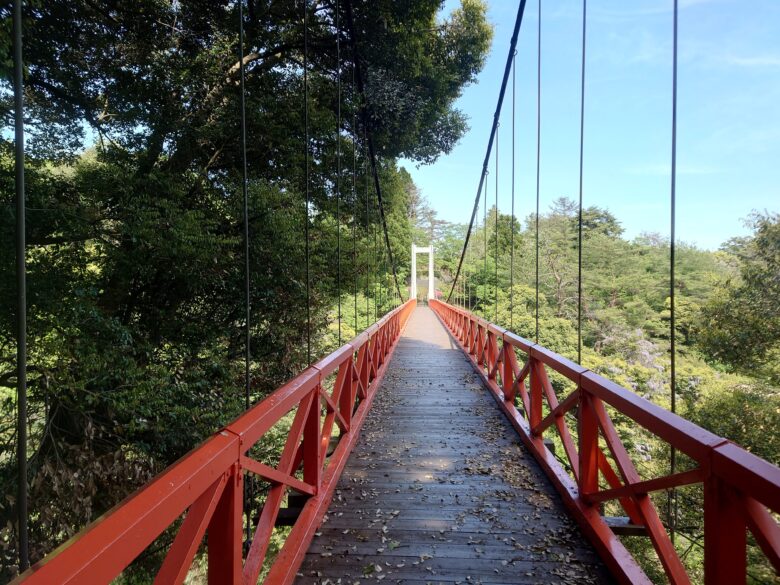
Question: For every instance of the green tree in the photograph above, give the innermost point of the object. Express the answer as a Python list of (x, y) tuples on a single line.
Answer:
[(136, 244), (741, 322)]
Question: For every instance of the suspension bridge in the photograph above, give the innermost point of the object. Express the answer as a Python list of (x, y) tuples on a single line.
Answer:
[(431, 448)]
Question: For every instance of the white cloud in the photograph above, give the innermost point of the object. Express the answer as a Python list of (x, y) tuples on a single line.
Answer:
[(665, 169), (753, 61), (646, 8)]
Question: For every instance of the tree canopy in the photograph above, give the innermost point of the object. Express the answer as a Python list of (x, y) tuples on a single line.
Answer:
[(726, 310), (135, 227)]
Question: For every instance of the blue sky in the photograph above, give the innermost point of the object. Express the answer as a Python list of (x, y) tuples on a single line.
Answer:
[(728, 115)]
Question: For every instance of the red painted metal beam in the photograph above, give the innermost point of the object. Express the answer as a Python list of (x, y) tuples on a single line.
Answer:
[(742, 491), (101, 551), (207, 484), (619, 561), (645, 487)]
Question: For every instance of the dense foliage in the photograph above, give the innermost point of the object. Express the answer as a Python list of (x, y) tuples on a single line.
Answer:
[(726, 327), (136, 250), (135, 227)]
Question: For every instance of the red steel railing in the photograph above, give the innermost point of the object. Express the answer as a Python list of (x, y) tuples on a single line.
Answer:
[(207, 483), (740, 489)]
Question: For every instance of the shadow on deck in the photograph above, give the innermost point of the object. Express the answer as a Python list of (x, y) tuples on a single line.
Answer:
[(439, 488)]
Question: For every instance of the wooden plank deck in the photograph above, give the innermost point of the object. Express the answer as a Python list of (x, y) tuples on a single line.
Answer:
[(439, 488)]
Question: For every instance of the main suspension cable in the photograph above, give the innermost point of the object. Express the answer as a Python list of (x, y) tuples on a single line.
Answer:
[(582, 149), (370, 142), (496, 116)]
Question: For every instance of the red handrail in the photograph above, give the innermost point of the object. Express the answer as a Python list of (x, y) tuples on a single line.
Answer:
[(740, 489), (207, 483)]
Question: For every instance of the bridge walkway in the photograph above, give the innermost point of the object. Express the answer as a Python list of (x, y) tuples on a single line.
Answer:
[(439, 488)]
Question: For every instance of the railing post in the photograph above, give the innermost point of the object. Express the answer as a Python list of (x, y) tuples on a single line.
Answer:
[(491, 355), (588, 432), (508, 374), (485, 347), (364, 363), (347, 396), (725, 534), (535, 416), (311, 442), (480, 353), (225, 533)]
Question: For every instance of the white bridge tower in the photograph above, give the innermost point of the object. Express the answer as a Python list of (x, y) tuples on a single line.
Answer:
[(413, 288)]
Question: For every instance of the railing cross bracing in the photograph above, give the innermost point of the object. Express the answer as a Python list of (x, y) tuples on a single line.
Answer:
[(741, 490)]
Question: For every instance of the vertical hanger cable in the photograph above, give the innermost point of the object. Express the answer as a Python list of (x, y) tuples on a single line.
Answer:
[(579, 221), (672, 511), (485, 267), (377, 292), (245, 192), (369, 257), (338, 166), (538, 149), (249, 486), (496, 115), (21, 294), (495, 275), (369, 142), (512, 226), (354, 202), (307, 173)]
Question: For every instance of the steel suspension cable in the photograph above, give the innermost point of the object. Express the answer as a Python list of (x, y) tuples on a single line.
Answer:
[(307, 172), (245, 191), (473, 274), (496, 116), (538, 148), (495, 276), (463, 293), (380, 271), (338, 166), (369, 263), (582, 149), (375, 265), (382, 278), (249, 486), (512, 225), (21, 294), (369, 140), (672, 514), (355, 202), (485, 268), (466, 278)]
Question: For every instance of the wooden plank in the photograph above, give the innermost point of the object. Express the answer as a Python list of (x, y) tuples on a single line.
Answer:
[(439, 488)]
